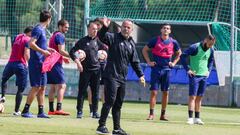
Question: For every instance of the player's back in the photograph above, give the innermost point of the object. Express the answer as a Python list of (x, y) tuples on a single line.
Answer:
[(18, 47)]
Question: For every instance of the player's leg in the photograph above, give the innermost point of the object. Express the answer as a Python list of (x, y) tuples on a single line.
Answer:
[(89, 91), (21, 81), (164, 105), (110, 97), (60, 95), (153, 92), (82, 89), (51, 96), (193, 86), (198, 101), (31, 95), (152, 103), (41, 96), (116, 109), (38, 82), (165, 83), (101, 93), (101, 87), (94, 85), (7, 73), (40, 99)]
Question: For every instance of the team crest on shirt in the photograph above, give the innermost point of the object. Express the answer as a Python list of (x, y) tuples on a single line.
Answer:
[(130, 47), (122, 44), (88, 44)]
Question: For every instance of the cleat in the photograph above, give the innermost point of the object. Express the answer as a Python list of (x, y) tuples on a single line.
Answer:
[(198, 121), (109, 115), (28, 115), (102, 130), (163, 118), (190, 121), (3, 99), (51, 113), (79, 115), (61, 112), (119, 132), (43, 115), (17, 113), (150, 117), (96, 116), (91, 114)]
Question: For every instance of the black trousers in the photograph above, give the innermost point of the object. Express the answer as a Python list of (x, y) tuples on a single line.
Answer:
[(114, 96), (91, 78)]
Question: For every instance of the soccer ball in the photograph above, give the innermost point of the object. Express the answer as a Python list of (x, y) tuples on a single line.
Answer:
[(102, 55), (80, 54), (1, 108)]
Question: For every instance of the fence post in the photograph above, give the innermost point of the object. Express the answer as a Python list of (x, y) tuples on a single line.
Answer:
[(86, 16)]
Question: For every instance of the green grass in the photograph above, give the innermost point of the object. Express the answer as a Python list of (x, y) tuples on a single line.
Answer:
[(218, 121)]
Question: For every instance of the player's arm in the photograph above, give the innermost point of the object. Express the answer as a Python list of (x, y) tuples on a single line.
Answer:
[(62, 51), (135, 63), (102, 46), (148, 48), (33, 45), (51, 50), (145, 51), (177, 58), (178, 53), (192, 50), (74, 49), (26, 52), (73, 56), (65, 54), (60, 42), (211, 60), (103, 34)]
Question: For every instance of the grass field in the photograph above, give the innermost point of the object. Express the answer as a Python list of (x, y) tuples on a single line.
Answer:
[(218, 121)]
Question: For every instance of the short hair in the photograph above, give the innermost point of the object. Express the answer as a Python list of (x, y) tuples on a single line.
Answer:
[(91, 22), (166, 24), (28, 29), (129, 20), (98, 20), (45, 15), (210, 37), (62, 22)]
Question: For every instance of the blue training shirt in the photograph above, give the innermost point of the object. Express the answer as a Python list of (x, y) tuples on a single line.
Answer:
[(59, 39), (38, 33)]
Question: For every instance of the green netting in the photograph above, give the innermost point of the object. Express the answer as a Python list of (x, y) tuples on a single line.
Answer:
[(165, 10), (15, 15), (175, 11), (222, 32)]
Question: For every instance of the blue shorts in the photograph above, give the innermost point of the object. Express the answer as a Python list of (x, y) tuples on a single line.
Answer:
[(56, 75), (37, 78), (21, 72), (197, 85), (159, 77)]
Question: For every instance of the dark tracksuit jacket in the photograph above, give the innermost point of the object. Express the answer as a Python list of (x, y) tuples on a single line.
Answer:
[(121, 52), (91, 70)]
